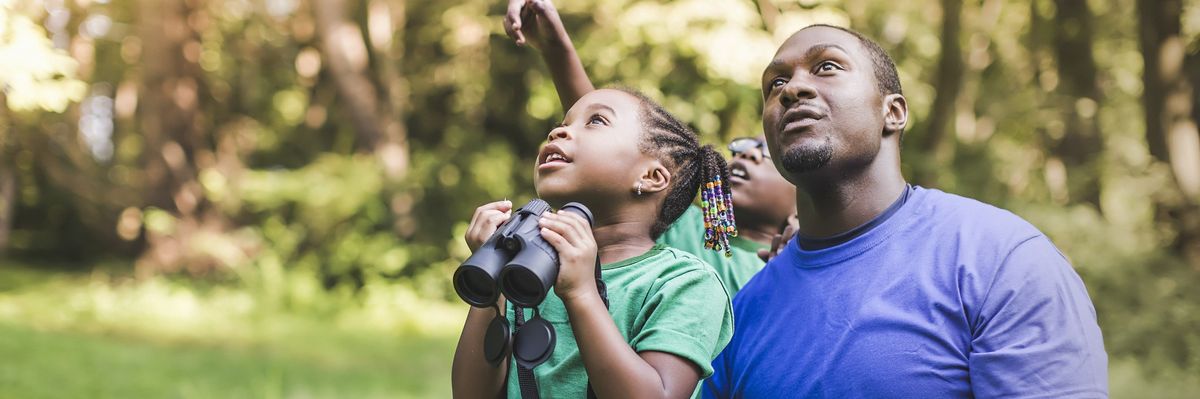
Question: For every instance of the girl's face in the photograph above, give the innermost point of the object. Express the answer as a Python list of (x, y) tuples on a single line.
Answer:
[(593, 157)]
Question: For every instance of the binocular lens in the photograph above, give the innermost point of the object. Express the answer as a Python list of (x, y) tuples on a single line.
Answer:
[(522, 286), (476, 286)]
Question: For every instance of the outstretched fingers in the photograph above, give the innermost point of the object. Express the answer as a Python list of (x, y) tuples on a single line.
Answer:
[(512, 21)]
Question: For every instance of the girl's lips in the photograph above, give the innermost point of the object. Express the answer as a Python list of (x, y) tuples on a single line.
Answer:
[(552, 153), (548, 165)]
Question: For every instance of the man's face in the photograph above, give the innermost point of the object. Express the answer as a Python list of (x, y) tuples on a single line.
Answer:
[(760, 193), (823, 113)]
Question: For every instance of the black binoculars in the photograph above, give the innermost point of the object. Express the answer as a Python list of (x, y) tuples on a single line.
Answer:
[(515, 260)]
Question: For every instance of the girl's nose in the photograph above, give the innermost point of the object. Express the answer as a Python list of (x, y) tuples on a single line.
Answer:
[(558, 133)]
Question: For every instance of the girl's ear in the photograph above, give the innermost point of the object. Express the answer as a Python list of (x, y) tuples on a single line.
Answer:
[(657, 178)]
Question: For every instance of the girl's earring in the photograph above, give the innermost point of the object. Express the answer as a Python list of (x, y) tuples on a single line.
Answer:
[(639, 189)]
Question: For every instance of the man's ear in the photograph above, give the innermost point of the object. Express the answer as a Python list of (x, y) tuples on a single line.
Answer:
[(895, 114), (656, 178)]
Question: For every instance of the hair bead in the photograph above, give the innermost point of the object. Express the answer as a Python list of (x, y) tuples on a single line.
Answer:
[(717, 206)]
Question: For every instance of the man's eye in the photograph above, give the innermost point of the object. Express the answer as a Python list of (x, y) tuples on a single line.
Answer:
[(778, 82), (828, 66)]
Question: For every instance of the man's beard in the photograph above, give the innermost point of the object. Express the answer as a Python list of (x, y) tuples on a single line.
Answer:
[(807, 158)]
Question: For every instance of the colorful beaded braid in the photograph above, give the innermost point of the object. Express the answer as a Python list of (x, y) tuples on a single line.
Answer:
[(717, 205)]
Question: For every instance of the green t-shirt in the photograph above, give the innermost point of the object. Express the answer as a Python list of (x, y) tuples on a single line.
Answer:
[(687, 234), (664, 300)]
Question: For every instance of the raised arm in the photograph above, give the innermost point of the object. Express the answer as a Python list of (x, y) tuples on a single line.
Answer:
[(536, 23)]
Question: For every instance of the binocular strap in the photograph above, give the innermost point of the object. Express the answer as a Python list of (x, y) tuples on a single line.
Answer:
[(525, 377), (529, 388)]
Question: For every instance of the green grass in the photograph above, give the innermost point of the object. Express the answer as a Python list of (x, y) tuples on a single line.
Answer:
[(69, 334), (40, 364)]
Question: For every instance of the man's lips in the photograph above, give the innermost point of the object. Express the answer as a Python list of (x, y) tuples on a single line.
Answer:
[(799, 118)]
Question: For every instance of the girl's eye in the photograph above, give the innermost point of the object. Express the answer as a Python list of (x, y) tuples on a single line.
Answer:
[(828, 66), (597, 119)]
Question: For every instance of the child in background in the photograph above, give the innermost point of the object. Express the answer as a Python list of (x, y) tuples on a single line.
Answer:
[(638, 169)]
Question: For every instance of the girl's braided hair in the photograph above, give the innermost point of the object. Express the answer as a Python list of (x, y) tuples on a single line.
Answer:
[(694, 168)]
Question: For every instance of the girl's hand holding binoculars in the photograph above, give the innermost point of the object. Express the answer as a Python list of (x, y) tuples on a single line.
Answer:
[(571, 236), (486, 220)]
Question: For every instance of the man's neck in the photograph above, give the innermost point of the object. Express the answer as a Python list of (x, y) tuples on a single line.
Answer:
[(827, 207)]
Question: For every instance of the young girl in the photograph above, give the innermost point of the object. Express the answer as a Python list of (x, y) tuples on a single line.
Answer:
[(763, 199), (637, 168)]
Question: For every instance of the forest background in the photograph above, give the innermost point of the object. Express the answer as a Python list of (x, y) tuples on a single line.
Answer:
[(266, 198)]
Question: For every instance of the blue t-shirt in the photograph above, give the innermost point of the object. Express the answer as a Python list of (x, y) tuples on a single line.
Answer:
[(949, 297)]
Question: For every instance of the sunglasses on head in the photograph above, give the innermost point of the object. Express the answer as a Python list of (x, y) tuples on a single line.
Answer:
[(743, 144)]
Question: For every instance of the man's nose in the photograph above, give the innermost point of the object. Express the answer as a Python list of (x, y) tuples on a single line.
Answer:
[(796, 89)]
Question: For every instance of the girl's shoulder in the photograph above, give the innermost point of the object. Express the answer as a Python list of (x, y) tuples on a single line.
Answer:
[(665, 266), (665, 259), (684, 261)]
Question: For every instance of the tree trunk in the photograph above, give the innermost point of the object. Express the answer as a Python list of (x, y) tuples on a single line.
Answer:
[(1171, 115), (1079, 99), (346, 54), (377, 120), (8, 196), (387, 20), (938, 140), (1169, 94), (7, 177), (177, 143), (158, 115)]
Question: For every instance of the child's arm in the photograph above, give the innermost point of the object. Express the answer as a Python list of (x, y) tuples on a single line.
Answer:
[(537, 23), (614, 369), (471, 375)]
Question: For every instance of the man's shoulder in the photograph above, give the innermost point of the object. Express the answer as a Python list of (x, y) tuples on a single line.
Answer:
[(985, 239), (768, 281), (971, 218)]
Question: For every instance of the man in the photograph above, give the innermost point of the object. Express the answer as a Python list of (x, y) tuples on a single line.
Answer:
[(762, 199), (890, 290)]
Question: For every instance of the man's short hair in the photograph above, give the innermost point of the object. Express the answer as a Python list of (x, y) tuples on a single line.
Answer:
[(885, 69)]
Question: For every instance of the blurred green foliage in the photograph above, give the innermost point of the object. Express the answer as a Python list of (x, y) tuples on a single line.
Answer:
[(235, 177)]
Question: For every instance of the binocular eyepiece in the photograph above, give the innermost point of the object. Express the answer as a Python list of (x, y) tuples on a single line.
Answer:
[(515, 260)]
